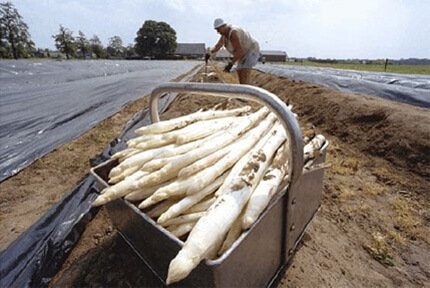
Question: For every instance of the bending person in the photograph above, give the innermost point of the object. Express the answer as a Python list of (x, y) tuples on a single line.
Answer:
[(241, 45)]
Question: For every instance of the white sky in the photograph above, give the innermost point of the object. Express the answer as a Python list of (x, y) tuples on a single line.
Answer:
[(341, 29)]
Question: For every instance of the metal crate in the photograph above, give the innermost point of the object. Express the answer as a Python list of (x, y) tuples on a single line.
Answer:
[(260, 255)]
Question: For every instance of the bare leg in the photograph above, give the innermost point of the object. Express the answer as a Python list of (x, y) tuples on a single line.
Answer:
[(244, 75)]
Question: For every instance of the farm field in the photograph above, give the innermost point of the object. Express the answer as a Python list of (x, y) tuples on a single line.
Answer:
[(371, 230), (391, 68)]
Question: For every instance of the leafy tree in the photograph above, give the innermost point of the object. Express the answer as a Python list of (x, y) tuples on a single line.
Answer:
[(155, 39), (5, 50), (40, 53), (82, 44), (130, 51), (15, 40), (65, 42), (115, 47), (96, 47)]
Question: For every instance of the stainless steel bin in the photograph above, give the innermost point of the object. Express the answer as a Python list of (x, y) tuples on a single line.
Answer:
[(259, 256)]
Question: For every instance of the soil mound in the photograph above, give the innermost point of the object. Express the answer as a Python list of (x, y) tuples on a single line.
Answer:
[(373, 226), (399, 133)]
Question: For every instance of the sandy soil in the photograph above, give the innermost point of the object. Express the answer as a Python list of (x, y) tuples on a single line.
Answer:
[(373, 226)]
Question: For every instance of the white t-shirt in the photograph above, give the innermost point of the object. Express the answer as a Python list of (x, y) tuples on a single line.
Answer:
[(248, 43)]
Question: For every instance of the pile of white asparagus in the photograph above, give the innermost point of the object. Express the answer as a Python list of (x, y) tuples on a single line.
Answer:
[(208, 175)]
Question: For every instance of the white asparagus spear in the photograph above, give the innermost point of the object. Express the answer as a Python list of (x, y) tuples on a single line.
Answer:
[(127, 172), (201, 129), (162, 160), (200, 180), (244, 160), (175, 163), (174, 149), (192, 217), (232, 235), (143, 157), (145, 192), (161, 208), (121, 155), (136, 140), (312, 149), (206, 237), (201, 206), (156, 164), (272, 179), (190, 200), (156, 141), (168, 125), (205, 162), (181, 186), (108, 194), (189, 133), (182, 229), (267, 187), (261, 196), (172, 168)]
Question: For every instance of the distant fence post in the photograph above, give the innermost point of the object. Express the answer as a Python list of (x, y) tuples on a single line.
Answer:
[(385, 66)]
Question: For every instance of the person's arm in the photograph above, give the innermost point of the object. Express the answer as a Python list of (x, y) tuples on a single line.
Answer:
[(218, 45), (238, 51)]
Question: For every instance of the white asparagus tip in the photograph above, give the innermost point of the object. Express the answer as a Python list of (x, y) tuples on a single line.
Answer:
[(100, 200), (115, 171), (179, 268), (115, 179), (160, 196), (104, 190), (247, 221), (146, 203)]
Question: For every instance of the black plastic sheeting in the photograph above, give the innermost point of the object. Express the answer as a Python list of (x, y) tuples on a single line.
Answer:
[(34, 258), (44, 104), (410, 89)]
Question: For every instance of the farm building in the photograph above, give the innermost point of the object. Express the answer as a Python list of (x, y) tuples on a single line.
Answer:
[(266, 55), (273, 55), (223, 54), (190, 50)]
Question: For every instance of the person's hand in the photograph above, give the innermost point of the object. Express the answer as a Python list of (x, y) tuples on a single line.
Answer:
[(207, 56), (228, 67)]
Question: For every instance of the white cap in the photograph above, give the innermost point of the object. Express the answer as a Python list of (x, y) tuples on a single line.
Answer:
[(218, 23)]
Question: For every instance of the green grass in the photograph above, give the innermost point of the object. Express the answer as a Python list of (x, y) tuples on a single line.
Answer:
[(391, 68)]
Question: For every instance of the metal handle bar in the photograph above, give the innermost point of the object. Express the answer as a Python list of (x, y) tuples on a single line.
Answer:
[(247, 92)]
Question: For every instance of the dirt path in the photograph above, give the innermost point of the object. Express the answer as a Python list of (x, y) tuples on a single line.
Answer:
[(373, 226)]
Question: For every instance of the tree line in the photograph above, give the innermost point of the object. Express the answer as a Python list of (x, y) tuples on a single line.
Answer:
[(154, 40)]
